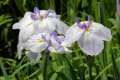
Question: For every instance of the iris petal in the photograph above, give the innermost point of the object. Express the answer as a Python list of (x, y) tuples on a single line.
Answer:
[(20, 48), (36, 10), (100, 31), (35, 45), (61, 27), (24, 22), (44, 26), (24, 34), (90, 44), (72, 35)]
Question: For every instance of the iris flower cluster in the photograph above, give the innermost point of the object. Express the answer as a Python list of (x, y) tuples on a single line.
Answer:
[(42, 30)]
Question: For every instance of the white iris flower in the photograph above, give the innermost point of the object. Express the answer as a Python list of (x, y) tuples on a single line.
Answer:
[(89, 35), (35, 22), (43, 41)]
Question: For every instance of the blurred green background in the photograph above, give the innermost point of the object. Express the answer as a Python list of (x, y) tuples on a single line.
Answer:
[(75, 66)]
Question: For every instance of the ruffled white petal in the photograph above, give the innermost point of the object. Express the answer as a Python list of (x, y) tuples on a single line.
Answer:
[(20, 48), (90, 44), (45, 26), (24, 35), (72, 35), (61, 27), (49, 24), (100, 31), (26, 32), (24, 22), (52, 14), (34, 45), (16, 26)]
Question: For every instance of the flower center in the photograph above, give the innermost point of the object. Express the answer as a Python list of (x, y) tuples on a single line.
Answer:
[(39, 15), (84, 25)]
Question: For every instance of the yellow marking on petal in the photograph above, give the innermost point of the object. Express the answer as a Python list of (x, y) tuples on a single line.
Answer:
[(44, 14), (91, 27), (86, 31), (40, 40)]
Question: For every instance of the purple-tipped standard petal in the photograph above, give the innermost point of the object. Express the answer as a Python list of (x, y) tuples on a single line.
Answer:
[(34, 17), (46, 40), (54, 34), (36, 13), (83, 26), (89, 21), (48, 12), (43, 37), (36, 10), (77, 21), (58, 40)]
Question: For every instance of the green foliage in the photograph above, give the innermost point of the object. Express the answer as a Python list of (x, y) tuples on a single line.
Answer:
[(75, 66)]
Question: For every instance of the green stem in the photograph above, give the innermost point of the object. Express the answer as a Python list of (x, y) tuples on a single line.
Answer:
[(90, 72), (46, 58), (90, 63)]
